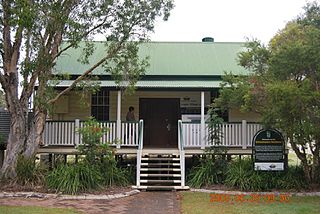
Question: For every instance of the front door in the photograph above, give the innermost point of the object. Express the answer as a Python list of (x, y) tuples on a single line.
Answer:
[(160, 118)]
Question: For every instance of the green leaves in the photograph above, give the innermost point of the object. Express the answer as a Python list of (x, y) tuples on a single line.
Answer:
[(92, 148), (255, 58), (96, 168), (285, 85), (75, 178)]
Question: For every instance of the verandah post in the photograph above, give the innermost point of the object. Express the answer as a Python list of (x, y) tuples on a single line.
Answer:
[(202, 125), (118, 119), (244, 134), (76, 134)]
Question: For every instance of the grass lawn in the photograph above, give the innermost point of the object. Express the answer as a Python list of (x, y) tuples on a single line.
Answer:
[(194, 202), (35, 210)]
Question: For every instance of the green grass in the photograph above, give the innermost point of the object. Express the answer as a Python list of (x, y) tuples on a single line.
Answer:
[(194, 202), (35, 210)]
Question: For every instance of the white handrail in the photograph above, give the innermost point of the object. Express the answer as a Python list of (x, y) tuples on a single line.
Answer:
[(181, 152), (139, 152)]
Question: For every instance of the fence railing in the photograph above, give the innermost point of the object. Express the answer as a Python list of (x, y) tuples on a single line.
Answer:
[(65, 133), (139, 152), (181, 152), (231, 135)]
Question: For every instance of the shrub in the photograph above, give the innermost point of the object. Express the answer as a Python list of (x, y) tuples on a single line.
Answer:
[(212, 168), (93, 149), (72, 179), (1, 139), (113, 174), (208, 172), (240, 174), (293, 178), (100, 155), (30, 173)]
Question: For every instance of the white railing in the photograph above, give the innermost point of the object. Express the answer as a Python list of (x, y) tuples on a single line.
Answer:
[(108, 137), (232, 134), (139, 152), (65, 133), (181, 152), (129, 133), (60, 133)]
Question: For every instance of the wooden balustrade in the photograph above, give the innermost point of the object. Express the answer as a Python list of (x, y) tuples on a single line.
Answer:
[(232, 134), (64, 133)]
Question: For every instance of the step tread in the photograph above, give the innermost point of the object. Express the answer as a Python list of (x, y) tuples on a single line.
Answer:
[(160, 181), (161, 187), (160, 175), (162, 158), (160, 164), (160, 169)]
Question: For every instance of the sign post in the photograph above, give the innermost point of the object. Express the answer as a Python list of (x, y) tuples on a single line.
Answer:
[(268, 150)]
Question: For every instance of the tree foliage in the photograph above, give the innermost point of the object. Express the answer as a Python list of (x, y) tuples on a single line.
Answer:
[(284, 85), (32, 32)]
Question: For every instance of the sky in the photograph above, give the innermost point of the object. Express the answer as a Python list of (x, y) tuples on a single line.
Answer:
[(226, 20)]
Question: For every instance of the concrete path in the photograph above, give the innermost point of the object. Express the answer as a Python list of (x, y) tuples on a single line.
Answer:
[(142, 203)]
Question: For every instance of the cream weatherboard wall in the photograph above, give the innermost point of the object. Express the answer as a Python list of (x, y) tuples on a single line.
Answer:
[(133, 100), (72, 106)]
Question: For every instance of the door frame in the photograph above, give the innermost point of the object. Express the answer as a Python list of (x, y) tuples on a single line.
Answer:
[(143, 114)]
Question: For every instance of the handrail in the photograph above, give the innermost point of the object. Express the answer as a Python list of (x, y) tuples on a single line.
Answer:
[(180, 145), (181, 152), (139, 152), (140, 137)]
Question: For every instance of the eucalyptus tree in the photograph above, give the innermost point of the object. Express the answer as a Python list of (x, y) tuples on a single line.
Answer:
[(2, 100), (284, 86), (34, 33)]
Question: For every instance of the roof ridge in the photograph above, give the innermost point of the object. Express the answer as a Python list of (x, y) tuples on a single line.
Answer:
[(177, 42)]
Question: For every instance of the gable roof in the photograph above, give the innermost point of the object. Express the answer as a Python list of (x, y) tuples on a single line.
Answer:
[(168, 59)]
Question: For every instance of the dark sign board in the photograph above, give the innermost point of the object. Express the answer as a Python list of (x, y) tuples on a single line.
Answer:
[(268, 150)]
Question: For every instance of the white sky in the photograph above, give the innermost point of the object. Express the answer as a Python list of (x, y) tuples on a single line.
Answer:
[(227, 20)]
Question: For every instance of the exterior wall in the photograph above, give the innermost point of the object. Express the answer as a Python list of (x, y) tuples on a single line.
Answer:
[(72, 106), (133, 100), (236, 116)]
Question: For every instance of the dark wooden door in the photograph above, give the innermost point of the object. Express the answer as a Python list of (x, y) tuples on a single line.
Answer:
[(160, 122)]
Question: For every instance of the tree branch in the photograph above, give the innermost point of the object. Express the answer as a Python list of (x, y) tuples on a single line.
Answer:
[(6, 34), (87, 72), (58, 53)]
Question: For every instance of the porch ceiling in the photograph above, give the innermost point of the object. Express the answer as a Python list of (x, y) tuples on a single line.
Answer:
[(156, 84)]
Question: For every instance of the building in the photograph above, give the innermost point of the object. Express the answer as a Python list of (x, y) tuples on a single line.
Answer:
[(171, 103)]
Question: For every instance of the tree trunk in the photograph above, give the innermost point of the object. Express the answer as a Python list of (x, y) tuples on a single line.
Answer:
[(35, 134), (303, 159), (15, 144), (316, 163), (18, 126), (306, 170)]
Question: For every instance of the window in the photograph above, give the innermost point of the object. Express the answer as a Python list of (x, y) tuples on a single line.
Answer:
[(100, 105)]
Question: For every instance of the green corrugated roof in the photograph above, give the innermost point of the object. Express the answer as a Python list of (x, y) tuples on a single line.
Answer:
[(157, 84), (169, 58)]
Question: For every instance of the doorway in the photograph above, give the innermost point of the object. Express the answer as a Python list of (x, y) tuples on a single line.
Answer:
[(160, 116)]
